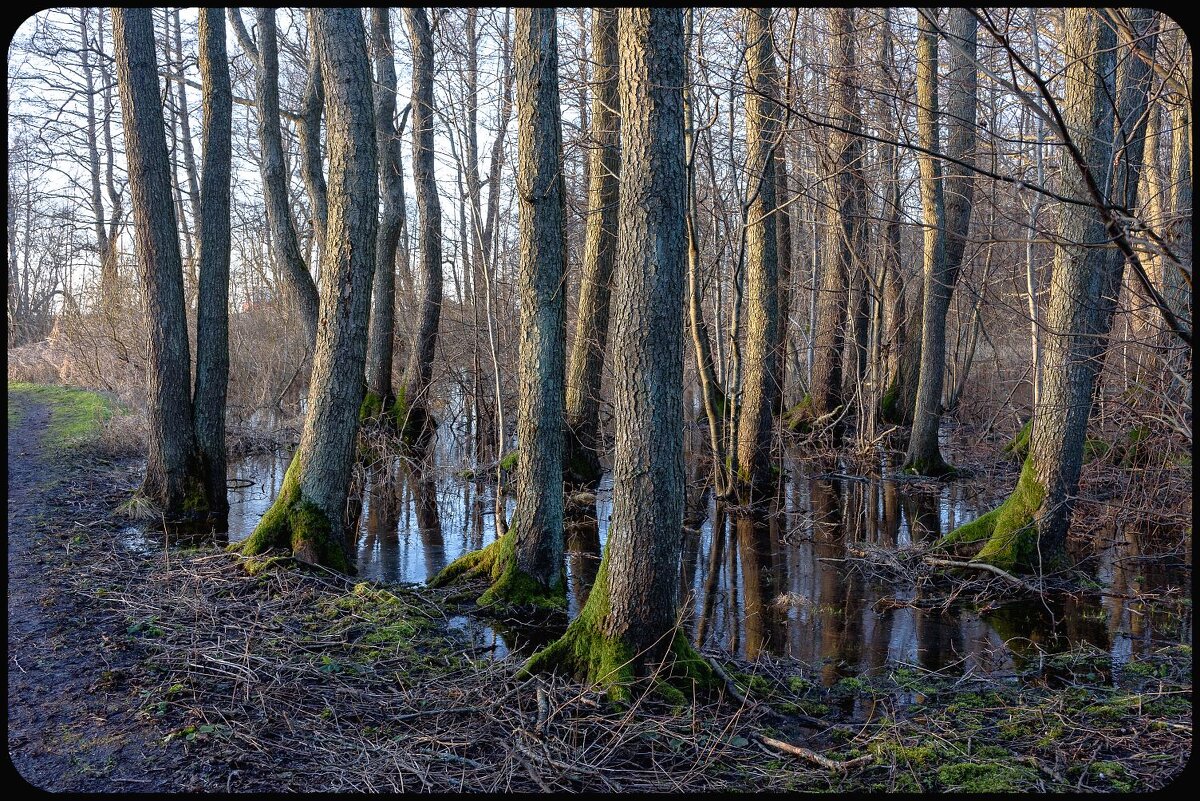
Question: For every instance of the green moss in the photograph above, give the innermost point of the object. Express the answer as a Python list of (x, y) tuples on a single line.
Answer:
[(1018, 446), (972, 777), (592, 656), (798, 419), (509, 462), (889, 404), (936, 468), (296, 523), (75, 414), (1009, 530), (508, 585)]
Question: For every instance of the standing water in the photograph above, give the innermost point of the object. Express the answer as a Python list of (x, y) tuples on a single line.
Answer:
[(779, 585)]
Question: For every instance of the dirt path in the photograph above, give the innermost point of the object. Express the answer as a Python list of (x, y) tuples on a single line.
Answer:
[(72, 720)]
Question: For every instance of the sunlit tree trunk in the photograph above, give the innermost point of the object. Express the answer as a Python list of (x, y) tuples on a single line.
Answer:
[(947, 215), (307, 516), (1028, 531), (628, 622), (760, 386), (582, 460)]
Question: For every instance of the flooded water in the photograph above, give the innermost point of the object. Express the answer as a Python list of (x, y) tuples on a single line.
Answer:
[(777, 585)]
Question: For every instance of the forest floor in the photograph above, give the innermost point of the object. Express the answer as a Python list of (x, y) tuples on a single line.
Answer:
[(134, 668)]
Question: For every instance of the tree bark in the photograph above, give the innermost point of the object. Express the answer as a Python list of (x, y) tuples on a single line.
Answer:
[(212, 231), (383, 315), (308, 514), (173, 479), (582, 460), (1028, 531), (416, 423), (760, 387), (628, 622), (947, 217)]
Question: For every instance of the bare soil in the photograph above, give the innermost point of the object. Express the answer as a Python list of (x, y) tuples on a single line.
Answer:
[(72, 724)]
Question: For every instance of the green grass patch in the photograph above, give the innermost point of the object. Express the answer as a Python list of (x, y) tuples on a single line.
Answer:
[(75, 414)]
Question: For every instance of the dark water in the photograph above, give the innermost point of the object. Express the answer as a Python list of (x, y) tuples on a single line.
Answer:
[(775, 585)]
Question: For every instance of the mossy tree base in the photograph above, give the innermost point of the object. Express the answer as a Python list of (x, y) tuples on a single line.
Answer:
[(586, 653), (1093, 448), (295, 523), (508, 585), (414, 424), (798, 419), (1008, 532), (933, 468)]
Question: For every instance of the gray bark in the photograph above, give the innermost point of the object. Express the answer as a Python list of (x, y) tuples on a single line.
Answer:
[(171, 464), (541, 195), (420, 361), (212, 232)]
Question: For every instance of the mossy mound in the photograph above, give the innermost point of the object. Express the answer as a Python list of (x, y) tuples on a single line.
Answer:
[(296, 523), (798, 419), (508, 585), (933, 468), (1008, 531), (586, 653)]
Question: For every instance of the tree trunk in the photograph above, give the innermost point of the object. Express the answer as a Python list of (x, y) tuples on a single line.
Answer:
[(628, 622), (308, 514), (947, 217), (412, 401), (760, 386), (309, 133), (212, 230), (845, 152), (380, 397), (173, 477), (582, 461), (274, 171), (525, 565), (1028, 531)]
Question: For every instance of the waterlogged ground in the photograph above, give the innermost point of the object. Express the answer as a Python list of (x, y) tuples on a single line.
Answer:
[(779, 587), (137, 667)]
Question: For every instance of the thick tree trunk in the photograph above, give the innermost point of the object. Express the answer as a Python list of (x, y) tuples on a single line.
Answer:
[(1028, 531), (760, 386), (412, 401), (525, 565), (380, 396), (212, 230), (628, 622), (947, 217), (173, 477), (582, 461), (308, 514)]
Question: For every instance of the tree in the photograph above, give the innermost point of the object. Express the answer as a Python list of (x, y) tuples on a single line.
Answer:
[(212, 231), (947, 206), (285, 242), (380, 396), (760, 386), (174, 477), (582, 460), (525, 564), (307, 515), (412, 401), (628, 624), (1028, 531), (844, 212)]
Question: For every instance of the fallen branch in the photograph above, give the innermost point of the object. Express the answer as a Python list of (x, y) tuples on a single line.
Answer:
[(813, 756), (1009, 577)]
